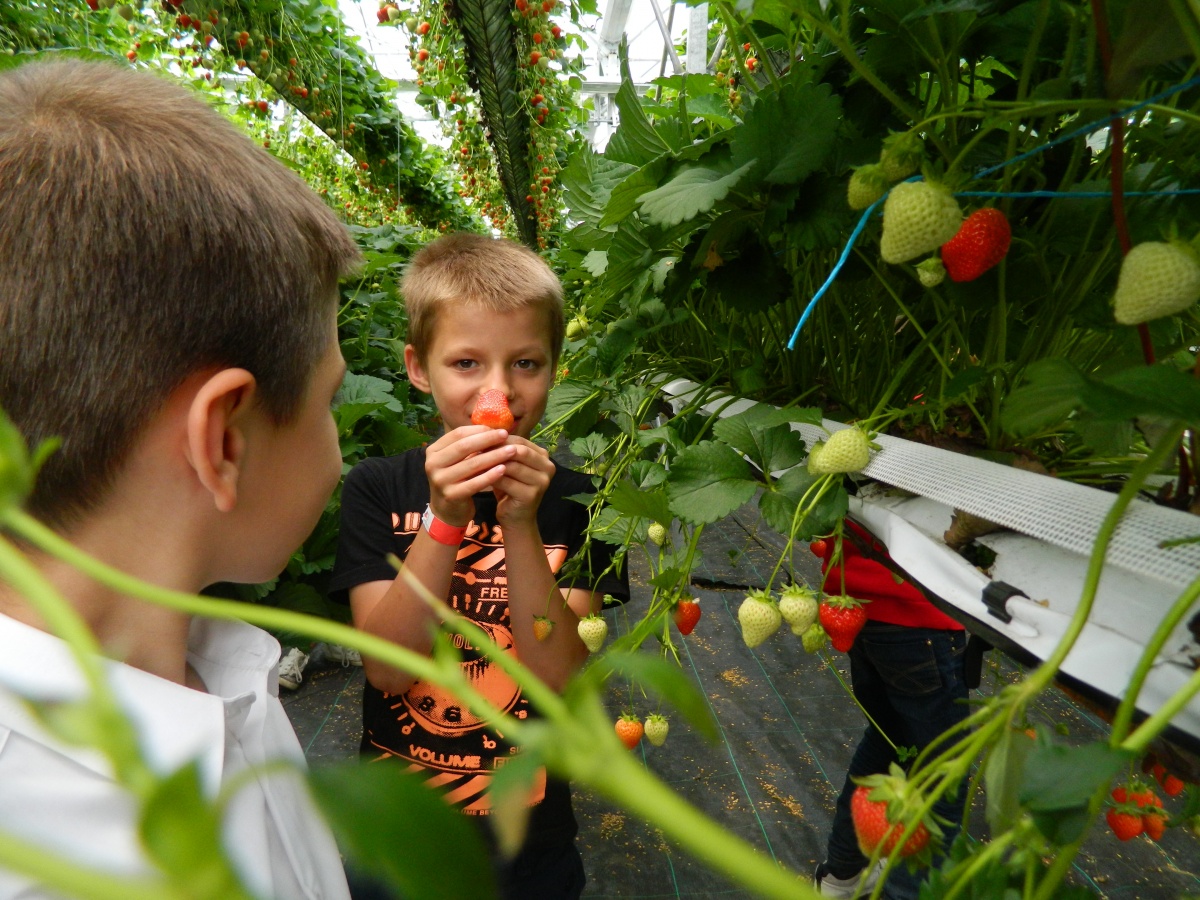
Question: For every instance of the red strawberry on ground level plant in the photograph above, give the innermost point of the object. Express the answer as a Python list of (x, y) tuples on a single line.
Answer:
[(629, 730), (491, 409), (882, 808), (980, 243), (686, 614), (842, 618), (1154, 825), (1126, 826)]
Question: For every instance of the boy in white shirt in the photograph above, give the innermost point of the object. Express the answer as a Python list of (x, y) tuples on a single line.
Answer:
[(168, 296)]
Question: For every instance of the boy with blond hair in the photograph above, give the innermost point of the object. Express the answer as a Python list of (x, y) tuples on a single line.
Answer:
[(481, 518), (168, 298)]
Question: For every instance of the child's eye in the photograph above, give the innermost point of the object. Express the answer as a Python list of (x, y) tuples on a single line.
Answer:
[(526, 364), (464, 363)]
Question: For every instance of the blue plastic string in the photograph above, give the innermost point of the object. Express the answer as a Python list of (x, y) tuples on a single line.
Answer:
[(1091, 126), (1076, 195)]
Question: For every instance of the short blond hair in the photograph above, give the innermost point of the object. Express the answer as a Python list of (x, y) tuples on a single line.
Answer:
[(475, 270), (144, 240)]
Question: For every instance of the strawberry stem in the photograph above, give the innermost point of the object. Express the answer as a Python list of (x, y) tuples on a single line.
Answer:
[(1117, 162)]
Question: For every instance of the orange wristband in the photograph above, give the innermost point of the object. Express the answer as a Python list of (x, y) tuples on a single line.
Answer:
[(442, 532)]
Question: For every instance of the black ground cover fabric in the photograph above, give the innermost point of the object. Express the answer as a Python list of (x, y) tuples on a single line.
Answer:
[(788, 730)]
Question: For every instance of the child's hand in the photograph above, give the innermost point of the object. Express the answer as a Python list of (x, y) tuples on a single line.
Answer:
[(519, 491), (460, 464)]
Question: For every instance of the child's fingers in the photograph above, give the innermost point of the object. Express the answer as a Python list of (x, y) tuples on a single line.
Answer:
[(460, 443), (452, 478)]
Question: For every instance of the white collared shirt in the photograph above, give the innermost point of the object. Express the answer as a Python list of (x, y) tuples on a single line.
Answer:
[(63, 797)]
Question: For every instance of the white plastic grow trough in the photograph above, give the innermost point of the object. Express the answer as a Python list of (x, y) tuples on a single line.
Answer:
[(1045, 556)]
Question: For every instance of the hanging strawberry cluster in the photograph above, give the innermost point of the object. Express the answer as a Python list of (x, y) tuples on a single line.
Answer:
[(435, 52), (541, 47)]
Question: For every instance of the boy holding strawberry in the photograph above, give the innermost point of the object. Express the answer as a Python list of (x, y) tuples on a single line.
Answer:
[(482, 518), (174, 325), (906, 669)]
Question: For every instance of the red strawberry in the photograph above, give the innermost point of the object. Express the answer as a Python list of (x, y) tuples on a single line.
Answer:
[(491, 409), (981, 242), (629, 730), (818, 546), (1126, 826), (842, 618), (1144, 796), (875, 829), (1172, 786), (687, 614), (1154, 826)]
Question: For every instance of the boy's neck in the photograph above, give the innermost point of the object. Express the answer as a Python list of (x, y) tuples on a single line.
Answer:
[(134, 631)]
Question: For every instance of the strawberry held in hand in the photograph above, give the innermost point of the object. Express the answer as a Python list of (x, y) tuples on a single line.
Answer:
[(918, 217), (491, 409), (842, 618), (1156, 280), (981, 243)]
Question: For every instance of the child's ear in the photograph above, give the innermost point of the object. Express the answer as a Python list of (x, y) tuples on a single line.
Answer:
[(216, 440), (416, 371)]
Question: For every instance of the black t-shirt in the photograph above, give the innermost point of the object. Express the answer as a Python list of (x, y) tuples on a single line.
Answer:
[(427, 728)]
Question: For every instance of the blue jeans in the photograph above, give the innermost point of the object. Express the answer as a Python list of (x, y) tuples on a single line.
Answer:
[(910, 681)]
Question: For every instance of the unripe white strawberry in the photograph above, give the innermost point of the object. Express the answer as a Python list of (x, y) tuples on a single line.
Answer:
[(931, 272), (592, 631), (1156, 280), (918, 217), (798, 606), (759, 616), (657, 533), (814, 455), (656, 729), (847, 450), (814, 638), (901, 155), (867, 184)]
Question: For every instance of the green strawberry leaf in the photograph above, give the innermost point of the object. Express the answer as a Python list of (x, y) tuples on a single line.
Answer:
[(358, 389), (772, 448), (634, 501), (623, 200), (588, 182), (576, 404), (1003, 775), (635, 140), (708, 481), (790, 138), (689, 193), (1059, 781), (182, 834), (375, 809)]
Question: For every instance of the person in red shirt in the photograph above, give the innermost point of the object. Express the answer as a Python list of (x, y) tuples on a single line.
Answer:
[(907, 671)]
